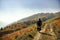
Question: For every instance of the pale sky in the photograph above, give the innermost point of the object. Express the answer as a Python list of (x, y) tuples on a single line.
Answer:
[(13, 10)]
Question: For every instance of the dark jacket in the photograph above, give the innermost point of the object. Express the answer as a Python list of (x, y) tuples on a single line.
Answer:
[(39, 22)]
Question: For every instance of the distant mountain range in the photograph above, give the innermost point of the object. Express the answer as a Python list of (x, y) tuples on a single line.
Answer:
[(41, 15)]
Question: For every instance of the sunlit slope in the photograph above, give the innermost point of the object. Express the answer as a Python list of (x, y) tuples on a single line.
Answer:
[(51, 30), (56, 23)]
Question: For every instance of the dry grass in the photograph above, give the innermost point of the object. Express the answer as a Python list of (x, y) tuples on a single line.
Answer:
[(57, 25), (13, 35)]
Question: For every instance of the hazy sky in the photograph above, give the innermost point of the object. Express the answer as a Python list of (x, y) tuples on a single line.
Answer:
[(13, 10)]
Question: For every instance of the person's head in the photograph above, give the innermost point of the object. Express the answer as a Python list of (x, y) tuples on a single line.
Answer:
[(39, 19)]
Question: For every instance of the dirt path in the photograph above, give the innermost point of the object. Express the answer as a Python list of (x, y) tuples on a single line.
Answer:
[(46, 34), (37, 37)]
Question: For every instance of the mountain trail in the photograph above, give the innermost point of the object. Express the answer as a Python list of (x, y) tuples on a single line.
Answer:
[(47, 33)]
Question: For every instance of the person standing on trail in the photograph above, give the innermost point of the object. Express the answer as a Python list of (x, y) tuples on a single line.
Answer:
[(39, 23)]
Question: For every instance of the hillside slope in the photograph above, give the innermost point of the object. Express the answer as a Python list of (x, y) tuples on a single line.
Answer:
[(51, 31), (20, 33)]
